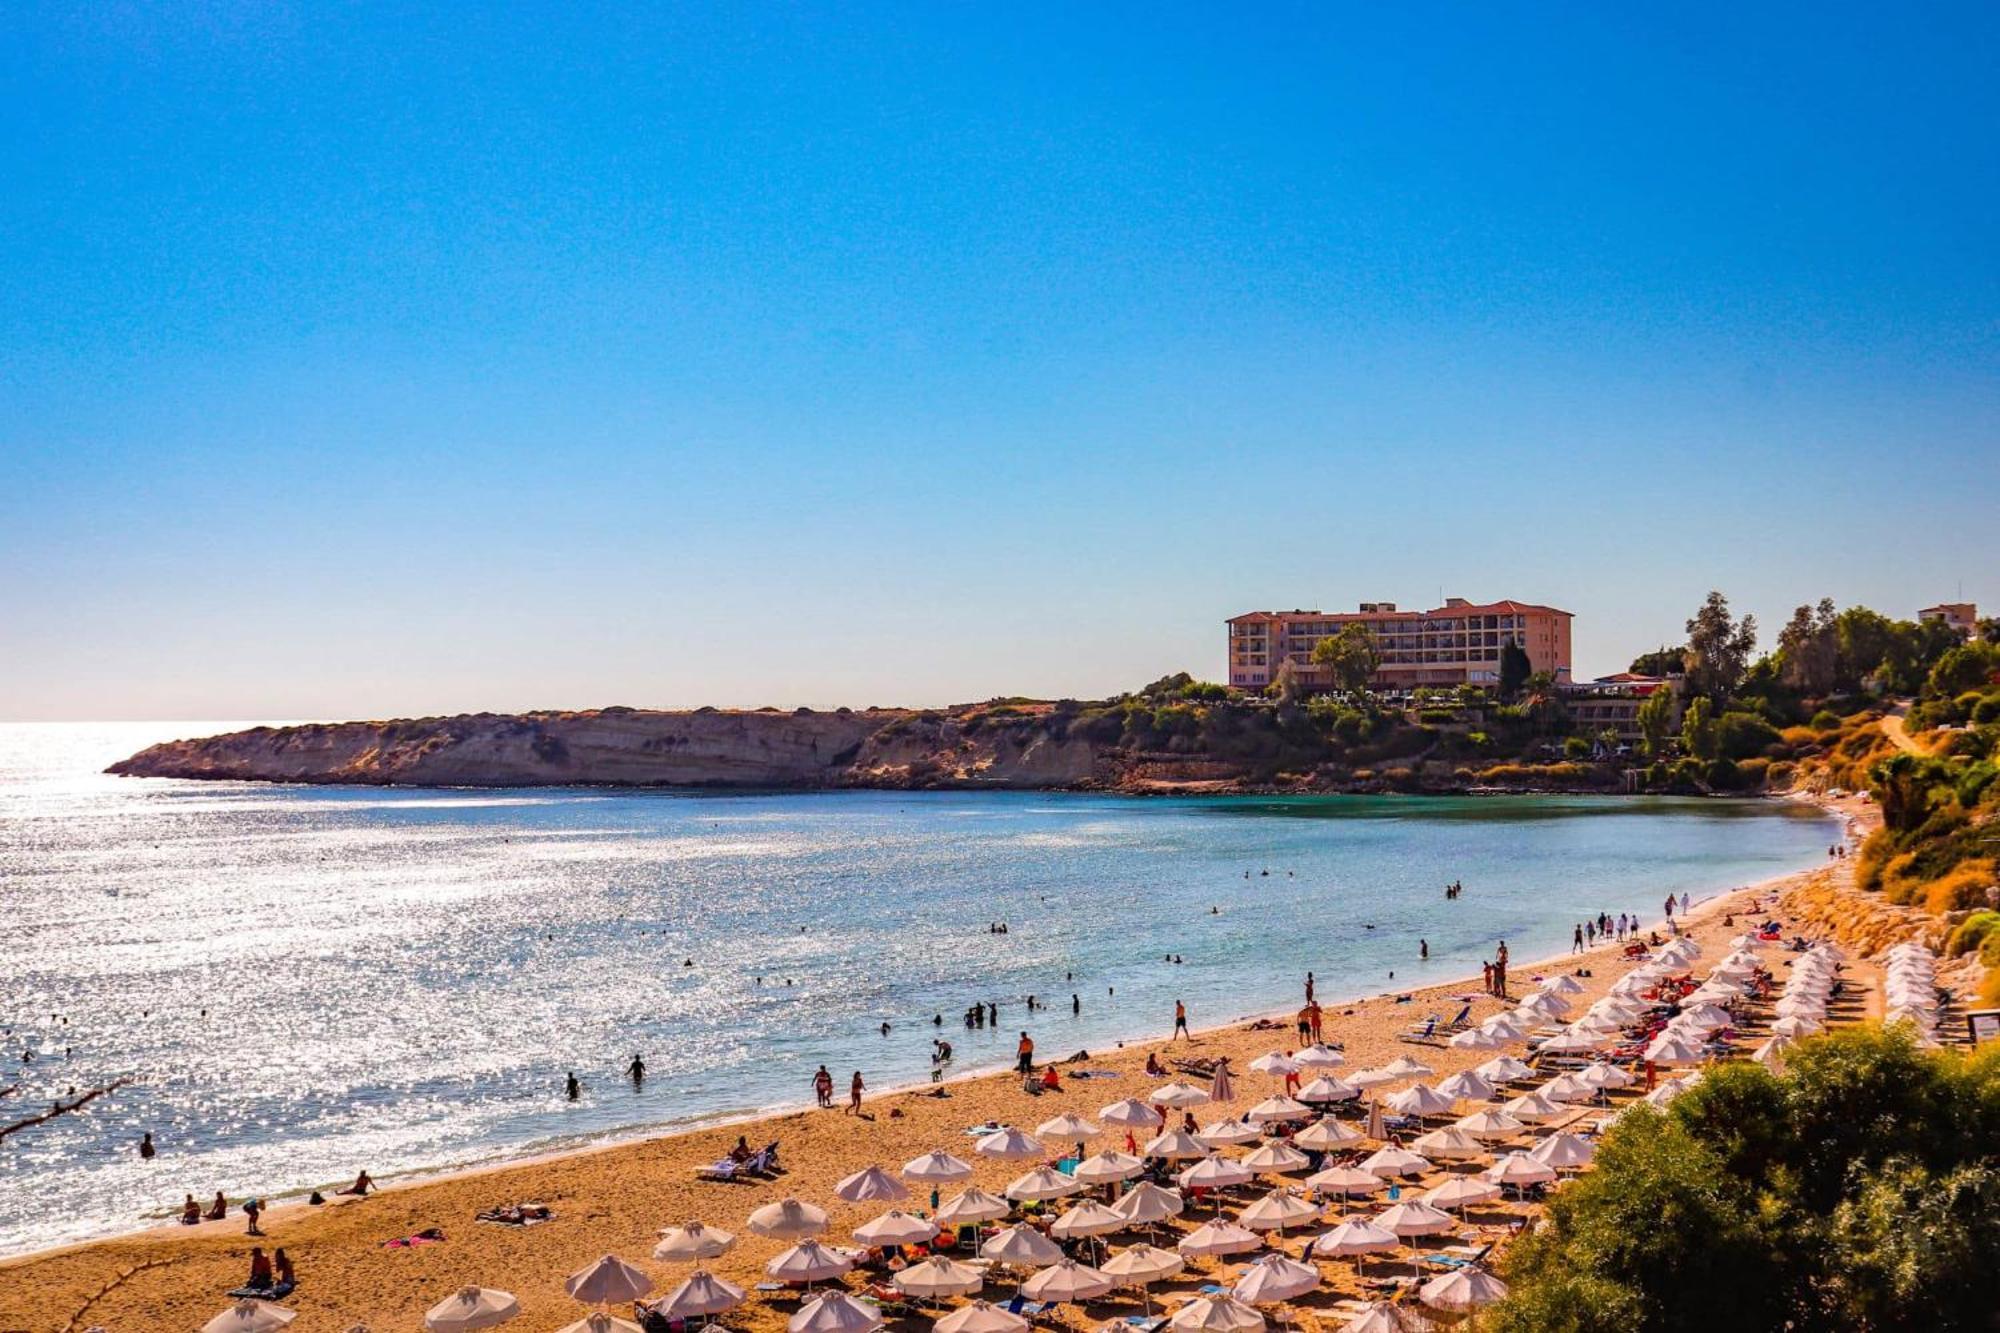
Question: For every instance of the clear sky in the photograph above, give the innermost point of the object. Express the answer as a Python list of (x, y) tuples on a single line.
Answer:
[(365, 361)]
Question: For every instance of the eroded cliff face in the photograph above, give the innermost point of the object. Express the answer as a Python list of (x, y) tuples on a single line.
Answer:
[(635, 747), (638, 747)]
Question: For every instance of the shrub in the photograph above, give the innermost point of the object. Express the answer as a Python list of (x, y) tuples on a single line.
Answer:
[(1576, 747), (1960, 888), (1741, 735), (1971, 933), (1825, 720), (1987, 709)]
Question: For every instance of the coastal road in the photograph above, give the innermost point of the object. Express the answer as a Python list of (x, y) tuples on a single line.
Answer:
[(1898, 734)]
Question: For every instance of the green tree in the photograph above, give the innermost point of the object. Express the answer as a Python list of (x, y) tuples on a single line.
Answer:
[(1660, 662), (1514, 670), (1698, 728), (1656, 721), (1967, 667), (1809, 650), (1719, 648), (1350, 656)]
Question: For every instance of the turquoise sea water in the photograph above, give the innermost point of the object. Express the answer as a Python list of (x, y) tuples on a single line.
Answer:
[(399, 979)]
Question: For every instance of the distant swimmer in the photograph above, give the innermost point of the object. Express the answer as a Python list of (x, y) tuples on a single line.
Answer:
[(1423, 948), (571, 1088), (146, 1146), (636, 1071)]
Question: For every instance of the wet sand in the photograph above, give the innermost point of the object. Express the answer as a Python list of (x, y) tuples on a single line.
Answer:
[(615, 1199)]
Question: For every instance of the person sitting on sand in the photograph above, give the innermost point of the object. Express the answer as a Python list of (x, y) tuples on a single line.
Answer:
[(741, 1152), (260, 1271), (190, 1212), (362, 1184), (217, 1210), (1154, 1069), (1051, 1082), (287, 1279)]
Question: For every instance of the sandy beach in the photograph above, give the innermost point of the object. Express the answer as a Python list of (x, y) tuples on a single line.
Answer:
[(615, 1199)]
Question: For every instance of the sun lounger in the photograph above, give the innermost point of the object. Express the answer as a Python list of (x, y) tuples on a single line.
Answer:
[(726, 1169)]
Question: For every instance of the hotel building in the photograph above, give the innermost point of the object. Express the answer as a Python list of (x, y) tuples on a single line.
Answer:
[(1455, 644), (1961, 616)]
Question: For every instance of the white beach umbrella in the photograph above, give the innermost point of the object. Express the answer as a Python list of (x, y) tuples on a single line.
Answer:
[(692, 1243), (1564, 985), (1564, 1151), (1517, 1168), (834, 1312), (937, 1168), (1275, 1063), (1462, 1289), (1278, 1159), (1327, 1088), (1044, 1182), (1273, 1109), (1220, 1237), (1068, 1281), (788, 1219), (936, 1277), (1602, 1076), (1532, 1107), (1131, 1113), (1543, 1004), (1462, 1192), (1365, 1079), (1491, 1124), (1225, 1133), (1394, 1161), (1570, 1042), (1141, 1266), (1068, 1125), (1771, 1054), (1215, 1173), (971, 1207), (1323, 1135), (1216, 1314), (1088, 1218), (1355, 1236), (808, 1261), (1665, 1093), (1320, 1057), (256, 1317), (896, 1227), (1146, 1203), (1414, 1217), (1345, 1180), (1466, 1085), (1795, 1025), (607, 1280), (1507, 1026), (1708, 1017), (597, 1321), (1179, 1094), (1568, 1088), (1022, 1246), (1276, 1211), (1671, 1048), (1274, 1278), (1008, 1145), (1419, 1100), (1448, 1144), (1175, 1145), (872, 1185), (465, 1310), (702, 1295), (1382, 1317), (1602, 1026), (1505, 1069), (1477, 1039), (1404, 1066), (1108, 1166), (979, 1317)]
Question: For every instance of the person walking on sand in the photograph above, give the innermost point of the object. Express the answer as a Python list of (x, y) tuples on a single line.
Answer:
[(1180, 1022), (1576, 945), (1684, 904), (1024, 1054), (854, 1090), (823, 1088)]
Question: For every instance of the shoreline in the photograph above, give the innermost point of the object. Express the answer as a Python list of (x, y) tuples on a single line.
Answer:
[(292, 1206)]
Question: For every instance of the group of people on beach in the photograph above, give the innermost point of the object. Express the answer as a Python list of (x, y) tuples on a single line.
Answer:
[(823, 1091), (1495, 972)]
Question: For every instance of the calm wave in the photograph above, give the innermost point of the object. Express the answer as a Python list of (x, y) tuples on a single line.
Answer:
[(307, 981)]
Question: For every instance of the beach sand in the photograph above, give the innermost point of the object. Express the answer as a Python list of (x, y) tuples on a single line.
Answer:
[(615, 1199)]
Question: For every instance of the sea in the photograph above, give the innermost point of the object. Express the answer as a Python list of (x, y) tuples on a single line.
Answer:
[(300, 982)]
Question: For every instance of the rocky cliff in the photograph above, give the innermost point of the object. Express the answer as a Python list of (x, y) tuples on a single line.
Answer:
[(639, 747)]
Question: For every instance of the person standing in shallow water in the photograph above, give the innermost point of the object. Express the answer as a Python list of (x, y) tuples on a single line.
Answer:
[(823, 1088), (571, 1088), (636, 1071)]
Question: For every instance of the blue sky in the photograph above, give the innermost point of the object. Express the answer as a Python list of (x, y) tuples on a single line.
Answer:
[(356, 363)]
